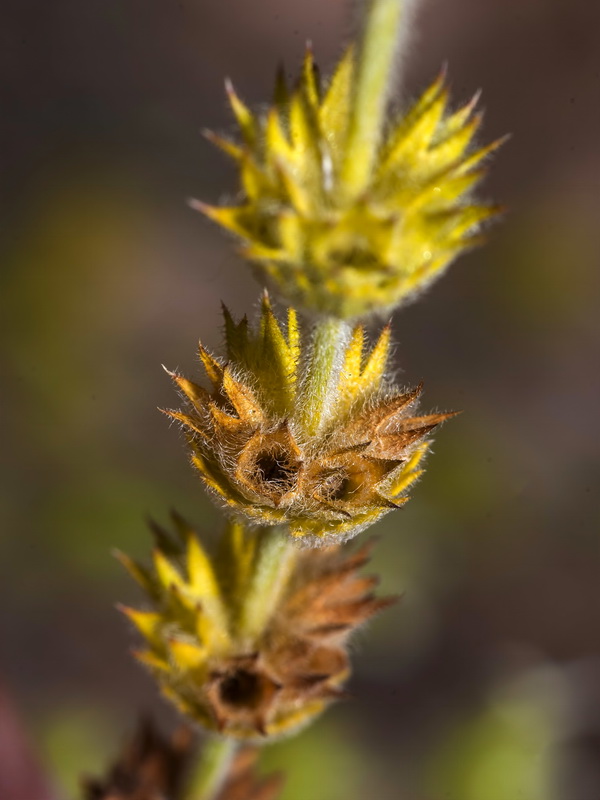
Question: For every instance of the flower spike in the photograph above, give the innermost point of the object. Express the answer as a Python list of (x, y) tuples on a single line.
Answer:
[(340, 254)]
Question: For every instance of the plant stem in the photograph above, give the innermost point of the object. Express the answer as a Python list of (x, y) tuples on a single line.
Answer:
[(274, 563), (211, 772), (375, 60), (328, 340)]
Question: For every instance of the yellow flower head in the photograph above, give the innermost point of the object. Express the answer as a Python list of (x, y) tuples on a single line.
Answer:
[(325, 457), (208, 656), (325, 248)]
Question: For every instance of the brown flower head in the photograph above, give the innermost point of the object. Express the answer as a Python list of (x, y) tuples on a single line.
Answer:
[(213, 661), (242, 782), (278, 442)]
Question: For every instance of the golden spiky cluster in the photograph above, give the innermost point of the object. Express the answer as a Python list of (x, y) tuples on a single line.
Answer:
[(207, 655), (261, 446), (321, 246)]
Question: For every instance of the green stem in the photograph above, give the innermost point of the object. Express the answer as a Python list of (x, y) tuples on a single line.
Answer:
[(375, 61), (273, 567), (328, 340), (211, 772)]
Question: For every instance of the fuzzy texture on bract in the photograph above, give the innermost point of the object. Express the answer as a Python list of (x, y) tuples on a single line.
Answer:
[(255, 448), (324, 249), (197, 647)]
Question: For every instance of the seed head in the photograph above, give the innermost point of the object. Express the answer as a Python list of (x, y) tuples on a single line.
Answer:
[(256, 450), (152, 767), (324, 249), (199, 650)]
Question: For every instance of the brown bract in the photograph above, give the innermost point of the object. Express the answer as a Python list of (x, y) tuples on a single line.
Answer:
[(150, 767)]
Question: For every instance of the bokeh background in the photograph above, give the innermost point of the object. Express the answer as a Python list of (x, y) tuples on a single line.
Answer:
[(484, 683)]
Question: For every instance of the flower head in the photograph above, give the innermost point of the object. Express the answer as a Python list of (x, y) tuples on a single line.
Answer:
[(210, 660), (263, 450), (149, 767), (324, 248)]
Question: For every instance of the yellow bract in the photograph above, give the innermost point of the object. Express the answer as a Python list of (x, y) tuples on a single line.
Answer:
[(326, 250)]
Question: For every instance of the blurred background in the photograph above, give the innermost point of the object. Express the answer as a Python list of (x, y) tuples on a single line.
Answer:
[(484, 682)]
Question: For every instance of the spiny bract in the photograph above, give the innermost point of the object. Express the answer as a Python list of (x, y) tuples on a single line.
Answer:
[(246, 686), (258, 445), (323, 248)]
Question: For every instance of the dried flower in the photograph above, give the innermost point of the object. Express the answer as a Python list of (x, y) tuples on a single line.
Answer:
[(324, 247), (242, 782), (214, 661), (258, 447), (150, 767)]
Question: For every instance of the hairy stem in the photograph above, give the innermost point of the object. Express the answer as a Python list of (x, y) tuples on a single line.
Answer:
[(275, 560), (211, 772), (329, 338), (375, 61)]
